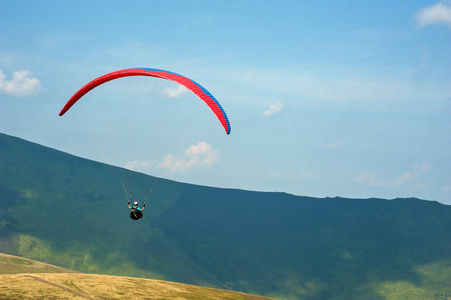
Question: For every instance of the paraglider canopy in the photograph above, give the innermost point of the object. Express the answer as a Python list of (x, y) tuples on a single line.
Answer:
[(193, 86)]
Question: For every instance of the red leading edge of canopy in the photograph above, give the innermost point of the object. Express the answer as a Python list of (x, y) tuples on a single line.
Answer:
[(196, 88)]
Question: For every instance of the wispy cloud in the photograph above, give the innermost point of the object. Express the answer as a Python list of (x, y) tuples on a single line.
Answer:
[(137, 165), (405, 180), (371, 179), (174, 92), (22, 84), (337, 145), (348, 84), (274, 108), (435, 14), (200, 155), (423, 167)]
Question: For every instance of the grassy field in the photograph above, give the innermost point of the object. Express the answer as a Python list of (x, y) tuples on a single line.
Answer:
[(10, 264), (27, 279)]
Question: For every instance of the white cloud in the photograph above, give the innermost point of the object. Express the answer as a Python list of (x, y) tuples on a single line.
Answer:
[(405, 178), (408, 179), (337, 145), (446, 189), (423, 167), (274, 108), (174, 92), (136, 165), (22, 84), (200, 155), (131, 165), (371, 179), (337, 83), (437, 13)]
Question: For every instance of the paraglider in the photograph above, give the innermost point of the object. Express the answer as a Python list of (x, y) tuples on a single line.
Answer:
[(135, 210), (197, 89), (193, 86)]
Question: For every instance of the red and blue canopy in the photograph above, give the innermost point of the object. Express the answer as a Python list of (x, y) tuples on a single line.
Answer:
[(193, 86)]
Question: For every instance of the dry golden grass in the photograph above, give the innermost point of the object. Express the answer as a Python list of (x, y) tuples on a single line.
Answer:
[(35, 284), (91, 286)]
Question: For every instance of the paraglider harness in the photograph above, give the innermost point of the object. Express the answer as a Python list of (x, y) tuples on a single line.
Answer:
[(135, 211)]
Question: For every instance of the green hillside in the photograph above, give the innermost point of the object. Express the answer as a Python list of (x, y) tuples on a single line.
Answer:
[(71, 212), (11, 264)]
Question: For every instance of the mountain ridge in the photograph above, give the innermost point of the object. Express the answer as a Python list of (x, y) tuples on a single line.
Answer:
[(268, 243)]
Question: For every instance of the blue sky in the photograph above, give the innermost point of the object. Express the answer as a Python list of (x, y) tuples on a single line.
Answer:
[(325, 98)]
